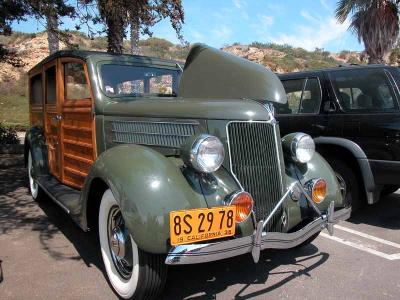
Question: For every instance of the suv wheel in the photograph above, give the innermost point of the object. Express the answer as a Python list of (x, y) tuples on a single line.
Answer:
[(133, 273), (348, 183), (389, 189)]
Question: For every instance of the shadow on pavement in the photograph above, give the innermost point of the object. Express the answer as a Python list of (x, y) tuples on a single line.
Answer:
[(19, 211), (385, 213), (204, 281)]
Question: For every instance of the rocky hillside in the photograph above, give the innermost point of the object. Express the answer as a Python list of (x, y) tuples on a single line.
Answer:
[(280, 58)]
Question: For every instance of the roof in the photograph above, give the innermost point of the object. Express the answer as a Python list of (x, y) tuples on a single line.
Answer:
[(85, 54), (340, 67)]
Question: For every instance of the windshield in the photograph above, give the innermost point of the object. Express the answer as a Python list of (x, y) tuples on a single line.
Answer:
[(130, 80)]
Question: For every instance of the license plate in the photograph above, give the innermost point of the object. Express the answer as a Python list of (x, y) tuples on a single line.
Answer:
[(194, 225)]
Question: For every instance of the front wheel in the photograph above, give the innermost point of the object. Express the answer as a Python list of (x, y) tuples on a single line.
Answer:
[(133, 273)]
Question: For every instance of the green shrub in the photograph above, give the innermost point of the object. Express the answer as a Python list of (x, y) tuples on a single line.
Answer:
[(8, 135)]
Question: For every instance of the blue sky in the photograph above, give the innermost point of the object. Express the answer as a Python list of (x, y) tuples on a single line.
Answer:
[(306, 23)]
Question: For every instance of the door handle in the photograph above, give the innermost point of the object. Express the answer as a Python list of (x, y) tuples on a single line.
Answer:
[(57, 118)]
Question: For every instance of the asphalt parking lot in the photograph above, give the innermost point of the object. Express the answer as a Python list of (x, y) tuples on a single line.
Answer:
[(44, 255)]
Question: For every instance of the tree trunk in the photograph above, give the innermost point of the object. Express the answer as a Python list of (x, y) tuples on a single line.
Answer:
[(115, 33), (375, 60), (135, 35), (52, 34)]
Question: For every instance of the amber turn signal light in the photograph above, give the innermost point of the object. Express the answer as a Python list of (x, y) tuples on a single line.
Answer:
[(318, 190), (244, 205)]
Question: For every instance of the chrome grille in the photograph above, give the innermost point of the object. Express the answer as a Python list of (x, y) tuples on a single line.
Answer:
[(254, 156), (166, 134)]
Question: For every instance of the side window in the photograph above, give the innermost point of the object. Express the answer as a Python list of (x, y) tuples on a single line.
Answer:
[(304, 96), (75, 83), (311, 99), (294, 90), (37, 90), (364, 90), (51, 85)]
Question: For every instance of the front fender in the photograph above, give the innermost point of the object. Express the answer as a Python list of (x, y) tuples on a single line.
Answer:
[(318, 167), (147, 186)]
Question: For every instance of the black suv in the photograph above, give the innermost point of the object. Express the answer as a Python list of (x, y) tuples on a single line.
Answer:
[(353, 114)]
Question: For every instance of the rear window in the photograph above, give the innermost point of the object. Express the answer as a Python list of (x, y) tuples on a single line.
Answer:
[(364, 90), (128, 80)]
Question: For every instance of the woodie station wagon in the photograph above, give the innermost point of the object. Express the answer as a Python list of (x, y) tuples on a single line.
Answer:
[(173, 166)]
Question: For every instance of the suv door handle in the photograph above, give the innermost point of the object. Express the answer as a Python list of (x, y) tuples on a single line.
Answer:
[(320, 127)]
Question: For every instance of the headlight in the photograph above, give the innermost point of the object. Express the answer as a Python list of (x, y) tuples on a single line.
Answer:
[(302, 148), (205, 153)]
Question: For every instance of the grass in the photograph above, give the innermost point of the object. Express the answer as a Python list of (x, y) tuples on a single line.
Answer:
[(14, 107), (14, 111)]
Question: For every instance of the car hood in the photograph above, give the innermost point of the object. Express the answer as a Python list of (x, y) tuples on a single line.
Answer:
[(188, 108), (215, 74)]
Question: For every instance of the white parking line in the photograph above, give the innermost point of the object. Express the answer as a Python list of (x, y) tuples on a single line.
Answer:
[(361, 247), (367, 236)]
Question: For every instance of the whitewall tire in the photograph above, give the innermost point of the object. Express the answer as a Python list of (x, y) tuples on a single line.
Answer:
[(132, 273)]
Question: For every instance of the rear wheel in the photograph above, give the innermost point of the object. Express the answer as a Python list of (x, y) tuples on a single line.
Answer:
[(133, 273), (36, 191), (349, 185)]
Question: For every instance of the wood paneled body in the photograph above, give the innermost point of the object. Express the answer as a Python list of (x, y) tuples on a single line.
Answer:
[(68, 122)]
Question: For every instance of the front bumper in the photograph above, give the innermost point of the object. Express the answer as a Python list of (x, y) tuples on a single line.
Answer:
[(260, 240)]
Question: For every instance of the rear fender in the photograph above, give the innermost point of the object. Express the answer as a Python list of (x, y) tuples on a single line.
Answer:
[(35, 142)]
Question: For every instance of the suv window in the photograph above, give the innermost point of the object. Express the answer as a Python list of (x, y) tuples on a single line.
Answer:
[(364, 90), (130, 80), (304, 96)]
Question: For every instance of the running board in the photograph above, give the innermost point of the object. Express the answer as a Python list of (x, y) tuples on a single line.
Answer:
[(66, 197)]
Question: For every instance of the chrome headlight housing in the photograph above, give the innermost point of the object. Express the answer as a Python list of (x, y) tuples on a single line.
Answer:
[(205, 153), (302, 148)]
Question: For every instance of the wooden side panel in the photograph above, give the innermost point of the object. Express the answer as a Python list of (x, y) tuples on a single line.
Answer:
[(78, 150), (77, 134), (36, 116), (52, 139), (51, 117)]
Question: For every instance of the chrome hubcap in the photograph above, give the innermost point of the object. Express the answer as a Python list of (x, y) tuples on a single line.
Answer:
[(119, 242)]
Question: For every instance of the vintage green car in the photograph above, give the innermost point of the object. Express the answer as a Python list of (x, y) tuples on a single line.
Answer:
[(173, 166)]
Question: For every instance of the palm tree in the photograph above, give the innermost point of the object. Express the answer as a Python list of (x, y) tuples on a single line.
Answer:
[(375, 22)]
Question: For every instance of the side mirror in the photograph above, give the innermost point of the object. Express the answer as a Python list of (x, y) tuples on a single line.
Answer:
[(329, 107)]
